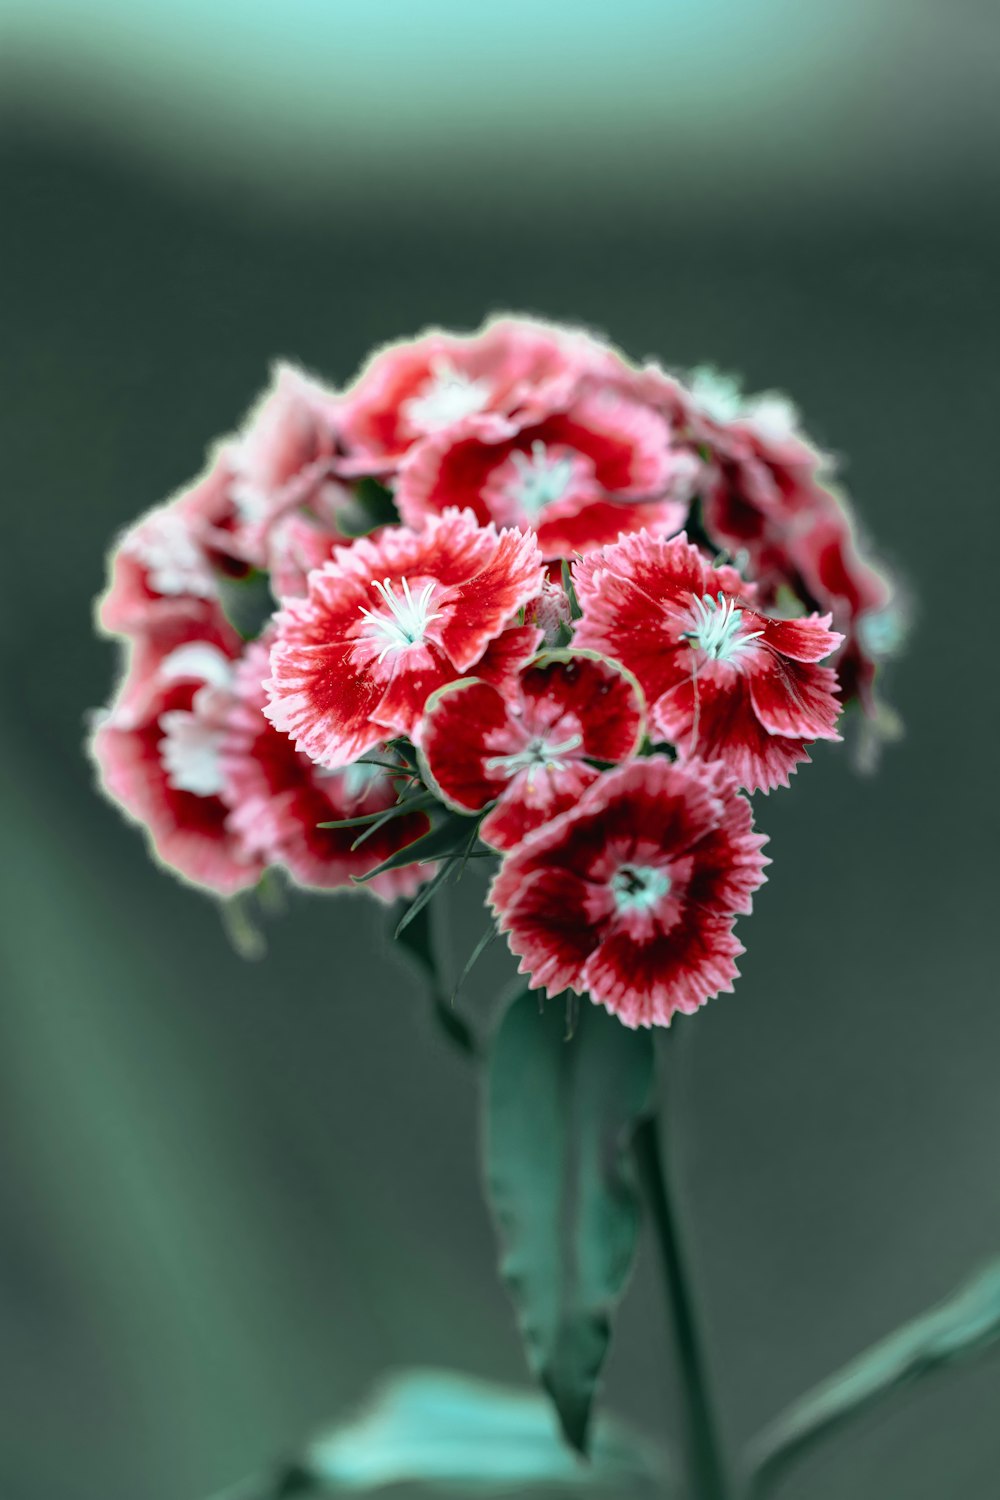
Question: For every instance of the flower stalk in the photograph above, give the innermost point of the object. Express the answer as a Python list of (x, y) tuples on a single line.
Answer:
[(704, 1462)]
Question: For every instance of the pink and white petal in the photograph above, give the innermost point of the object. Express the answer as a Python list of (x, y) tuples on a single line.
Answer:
[(647, 983), (505, 656), (596, 523), (792, 698), (319, 700), (529, 801), (807, 639), (489, 599), (711, 718)]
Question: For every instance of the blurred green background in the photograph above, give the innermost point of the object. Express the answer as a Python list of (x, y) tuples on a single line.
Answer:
[(233, 1194)]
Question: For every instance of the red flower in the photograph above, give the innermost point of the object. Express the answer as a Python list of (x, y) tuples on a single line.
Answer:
[(631, 896), (579, 477), (409, 390), (279, 798), (723, 682), (530, 752), (390, 620), (158, 754)]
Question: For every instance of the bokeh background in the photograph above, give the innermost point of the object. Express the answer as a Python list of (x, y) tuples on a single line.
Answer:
[(232, 1194)]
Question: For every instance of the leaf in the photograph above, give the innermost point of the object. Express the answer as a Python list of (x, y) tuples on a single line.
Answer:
[(247, 602), (415, 935), (956, 1330), (444, 839), (463, 1437), (417, 803), (559, 1120)]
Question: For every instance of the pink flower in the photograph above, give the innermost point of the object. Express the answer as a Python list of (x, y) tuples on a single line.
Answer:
[(529, 752), (410, 390), (391, 619), (723, 682), (168, 564), (279, 798), (579, 477), (284, 459), (161, 569), (158, 753), (632, 895)]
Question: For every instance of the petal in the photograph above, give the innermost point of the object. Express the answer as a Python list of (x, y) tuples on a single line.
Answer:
[(489, 599), (710, 716), (792, 698), (807, 639), (528, 802), (591, 695), (548, 929), (466, 724)]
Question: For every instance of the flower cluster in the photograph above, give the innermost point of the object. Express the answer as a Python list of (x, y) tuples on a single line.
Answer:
[(506, 595)]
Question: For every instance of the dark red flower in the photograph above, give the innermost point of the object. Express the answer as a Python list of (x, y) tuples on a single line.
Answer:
[(391, 619), (279, 797), (632, 895), (532, 751), (722, 681)]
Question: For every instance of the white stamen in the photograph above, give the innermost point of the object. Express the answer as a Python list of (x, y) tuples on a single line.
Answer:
[(537, 755), (447, 397), (540, 478), (190, 753), (717, 628), (407, 620)]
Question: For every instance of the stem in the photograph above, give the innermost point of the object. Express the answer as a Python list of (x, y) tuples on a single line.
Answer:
[(706, 1472)]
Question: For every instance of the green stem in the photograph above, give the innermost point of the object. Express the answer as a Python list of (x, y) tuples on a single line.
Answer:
[(706, 1472)]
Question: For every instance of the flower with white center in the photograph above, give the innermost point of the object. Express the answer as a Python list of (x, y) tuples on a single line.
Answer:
[(718, 628), (406, 623), (723, 681), (529, 751), (349, 672), (448, 396), (541, 479)]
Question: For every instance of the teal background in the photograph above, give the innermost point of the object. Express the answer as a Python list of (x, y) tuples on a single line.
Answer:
[(233, 1194)]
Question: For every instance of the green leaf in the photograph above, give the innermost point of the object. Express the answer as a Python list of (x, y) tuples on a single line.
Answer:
[(955, 1331), (462, 1437), (247, 602), (447, 837), (559, 1120), (420, 802)]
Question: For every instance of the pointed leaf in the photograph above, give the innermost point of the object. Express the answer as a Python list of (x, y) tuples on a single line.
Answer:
[(956, 1330), (461, 1437), (447, 837), (559, 1119), (420, 802)]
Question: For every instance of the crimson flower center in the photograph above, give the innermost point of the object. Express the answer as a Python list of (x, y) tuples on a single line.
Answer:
[(717, 627), (406, 620)]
